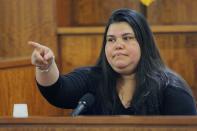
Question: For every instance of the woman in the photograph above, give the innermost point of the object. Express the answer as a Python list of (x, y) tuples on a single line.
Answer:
[(129, 78)]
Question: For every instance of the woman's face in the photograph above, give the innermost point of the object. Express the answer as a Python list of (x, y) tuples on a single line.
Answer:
[(122, 49)]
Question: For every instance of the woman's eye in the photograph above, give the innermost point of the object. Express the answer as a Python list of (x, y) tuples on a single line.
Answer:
[(111, 40), (128, 38)]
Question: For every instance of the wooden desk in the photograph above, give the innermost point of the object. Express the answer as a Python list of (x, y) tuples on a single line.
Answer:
[(101, 123)]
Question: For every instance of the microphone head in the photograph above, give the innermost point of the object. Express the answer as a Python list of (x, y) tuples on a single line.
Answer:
[(87, 100)]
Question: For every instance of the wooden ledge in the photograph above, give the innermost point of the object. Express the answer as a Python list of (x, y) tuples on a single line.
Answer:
[(174, 28), (16, 62), (100, 30), (80, 30), (105, 120)]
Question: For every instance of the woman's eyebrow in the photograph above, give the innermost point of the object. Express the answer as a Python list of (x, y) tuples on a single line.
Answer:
[(127, 34), (110, 35), (124, 34)]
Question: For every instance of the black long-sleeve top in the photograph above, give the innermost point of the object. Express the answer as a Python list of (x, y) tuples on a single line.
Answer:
[(68, 89)]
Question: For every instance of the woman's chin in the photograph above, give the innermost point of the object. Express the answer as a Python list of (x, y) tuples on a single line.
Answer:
[(122, 68), (121, 65)]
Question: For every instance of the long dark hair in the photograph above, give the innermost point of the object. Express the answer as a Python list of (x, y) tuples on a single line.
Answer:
[(150, 73)]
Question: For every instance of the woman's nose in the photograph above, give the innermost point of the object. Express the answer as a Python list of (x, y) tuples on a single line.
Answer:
[(119, 44)]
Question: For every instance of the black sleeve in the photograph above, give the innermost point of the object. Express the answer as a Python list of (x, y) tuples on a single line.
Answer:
[(68, 89), (178, 101)]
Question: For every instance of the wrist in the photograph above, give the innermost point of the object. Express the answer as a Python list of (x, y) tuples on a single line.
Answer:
[(45, 69)]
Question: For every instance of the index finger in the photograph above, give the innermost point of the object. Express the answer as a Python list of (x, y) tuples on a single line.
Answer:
[(35, 45)]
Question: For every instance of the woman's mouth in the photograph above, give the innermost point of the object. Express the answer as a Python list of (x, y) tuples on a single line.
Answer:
[(119, 54)]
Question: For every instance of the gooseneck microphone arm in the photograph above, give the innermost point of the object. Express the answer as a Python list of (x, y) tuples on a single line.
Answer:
[(85, 102)]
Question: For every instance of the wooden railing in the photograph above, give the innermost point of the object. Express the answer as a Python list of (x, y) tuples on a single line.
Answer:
[(101, 123)]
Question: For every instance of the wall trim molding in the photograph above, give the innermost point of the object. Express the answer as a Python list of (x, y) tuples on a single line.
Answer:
[(100, 29), (15, 62)]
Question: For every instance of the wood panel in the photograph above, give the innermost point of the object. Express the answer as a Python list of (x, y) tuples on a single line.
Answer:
[(172, 12), (89, 12), (17, 85), (26, 20), (64, 13), (79, 50)]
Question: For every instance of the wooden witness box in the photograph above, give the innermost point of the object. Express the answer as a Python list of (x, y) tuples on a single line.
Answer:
[(100, 123)]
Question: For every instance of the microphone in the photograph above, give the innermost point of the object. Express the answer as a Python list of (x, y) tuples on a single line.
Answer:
[(85, 102)]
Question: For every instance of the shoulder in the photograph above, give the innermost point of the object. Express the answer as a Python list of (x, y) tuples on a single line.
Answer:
[(87, 69), (91, 71), (89, 74), (174, 95), (178, 100), (83, 76), (172, 79), (176, 85), (177, 97)]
